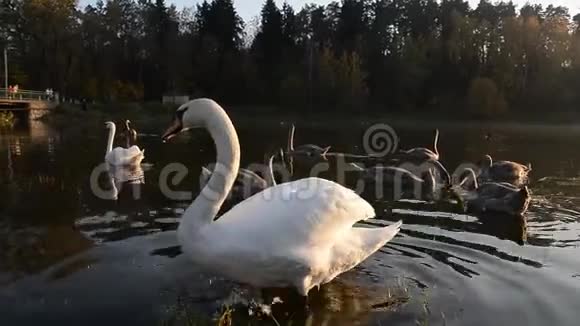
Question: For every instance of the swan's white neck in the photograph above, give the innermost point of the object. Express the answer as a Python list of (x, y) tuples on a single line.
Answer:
[(290, 146), (473, 177), (436, 142), (112, 130), (205, 207)]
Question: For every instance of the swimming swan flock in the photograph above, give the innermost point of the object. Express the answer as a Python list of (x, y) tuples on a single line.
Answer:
[(281, 236)]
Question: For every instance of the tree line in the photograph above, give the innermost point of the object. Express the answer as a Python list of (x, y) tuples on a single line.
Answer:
[(353, 55)]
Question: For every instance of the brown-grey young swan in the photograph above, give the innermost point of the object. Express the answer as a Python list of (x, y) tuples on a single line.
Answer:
[(424, 154), (504, 171), (310, 150), (424, 186), (130, 134), (499, 197), (247, 182)]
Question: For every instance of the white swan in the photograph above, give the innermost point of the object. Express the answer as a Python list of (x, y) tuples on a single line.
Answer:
[(120, 156), (299, 234)]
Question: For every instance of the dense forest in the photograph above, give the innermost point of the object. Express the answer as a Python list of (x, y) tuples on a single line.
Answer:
[(356, 55)]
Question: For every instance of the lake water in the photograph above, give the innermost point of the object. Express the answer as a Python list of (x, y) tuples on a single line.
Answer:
[(70, 257)]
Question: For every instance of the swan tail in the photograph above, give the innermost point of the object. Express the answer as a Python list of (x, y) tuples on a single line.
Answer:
[(374, 239), (362, 243)]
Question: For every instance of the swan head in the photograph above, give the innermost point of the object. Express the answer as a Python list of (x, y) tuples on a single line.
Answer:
[(190, 115), (487, 161), (109, 125)]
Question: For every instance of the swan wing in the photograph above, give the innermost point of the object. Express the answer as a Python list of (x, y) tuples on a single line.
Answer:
[(304, 213), (125, 156), (496, 190), (505, 171), (510, 167), (250, 177), (299, 233)]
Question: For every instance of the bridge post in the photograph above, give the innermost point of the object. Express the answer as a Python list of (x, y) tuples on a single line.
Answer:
[(6, 68)]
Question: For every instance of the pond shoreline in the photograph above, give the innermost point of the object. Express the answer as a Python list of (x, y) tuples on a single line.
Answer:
[(149, 112)]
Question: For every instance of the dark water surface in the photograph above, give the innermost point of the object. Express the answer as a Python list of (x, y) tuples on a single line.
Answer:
[(68, 257)]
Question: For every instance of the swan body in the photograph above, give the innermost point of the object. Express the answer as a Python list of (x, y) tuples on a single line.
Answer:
[(300, 246), (305, 154), (498, 197), (422, 155), (308, 150), (299, 234), (119, 156), (504, 171), (125, 156), (127, 174), (442, 173), (393, 177), (411, 164)]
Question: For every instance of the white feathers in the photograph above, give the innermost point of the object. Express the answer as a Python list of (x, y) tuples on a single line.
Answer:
[(121, 156), (298, 234)]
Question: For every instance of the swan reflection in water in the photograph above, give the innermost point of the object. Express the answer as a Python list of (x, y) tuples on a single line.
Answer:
[(341, 302), (123, 179), (126, 214)]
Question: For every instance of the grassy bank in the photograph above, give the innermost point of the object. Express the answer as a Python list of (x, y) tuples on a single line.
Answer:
[(142, 113), (145, 114)]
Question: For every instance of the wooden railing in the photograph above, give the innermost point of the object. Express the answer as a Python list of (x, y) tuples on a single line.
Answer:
[(26, 95)]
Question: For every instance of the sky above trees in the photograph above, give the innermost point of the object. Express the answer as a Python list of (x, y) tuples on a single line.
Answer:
[(251, 8)]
